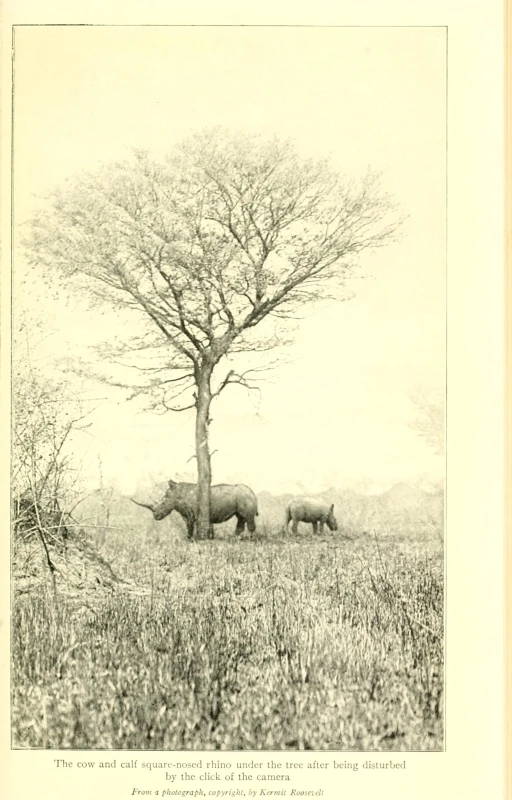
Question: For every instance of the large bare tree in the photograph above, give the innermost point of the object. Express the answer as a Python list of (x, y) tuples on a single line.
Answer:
[(227, 235)]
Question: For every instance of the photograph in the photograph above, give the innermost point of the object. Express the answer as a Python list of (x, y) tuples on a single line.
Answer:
[(228, 388)]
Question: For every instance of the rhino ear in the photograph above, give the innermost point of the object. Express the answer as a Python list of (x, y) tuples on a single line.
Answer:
[(332, 507), (172, 483)]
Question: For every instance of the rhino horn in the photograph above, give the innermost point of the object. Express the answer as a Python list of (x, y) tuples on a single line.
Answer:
[(144, 505)]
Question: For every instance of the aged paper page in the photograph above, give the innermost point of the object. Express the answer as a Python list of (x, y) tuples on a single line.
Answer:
[(342, 633)]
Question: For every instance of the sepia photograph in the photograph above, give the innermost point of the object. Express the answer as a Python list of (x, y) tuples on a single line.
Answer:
[(229, 381)]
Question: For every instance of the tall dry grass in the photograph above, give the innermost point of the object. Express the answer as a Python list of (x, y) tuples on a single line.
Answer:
[(270, 642)]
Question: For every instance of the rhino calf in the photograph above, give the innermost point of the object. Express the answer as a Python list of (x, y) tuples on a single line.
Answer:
[(309, 509), (226, 501)]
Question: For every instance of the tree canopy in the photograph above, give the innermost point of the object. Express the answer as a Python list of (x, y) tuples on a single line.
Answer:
[(208, 243)]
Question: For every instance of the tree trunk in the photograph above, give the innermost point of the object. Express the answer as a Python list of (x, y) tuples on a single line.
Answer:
[(204, 469)]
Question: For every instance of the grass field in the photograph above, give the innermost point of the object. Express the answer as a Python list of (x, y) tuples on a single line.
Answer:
[(265, 642)]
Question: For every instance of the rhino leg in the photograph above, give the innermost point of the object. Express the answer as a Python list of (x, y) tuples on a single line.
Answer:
[(314, 526), (295, 525), (286, 520), (251, 524), (321, 526), (210, 532), (190, 528), (240, 525)]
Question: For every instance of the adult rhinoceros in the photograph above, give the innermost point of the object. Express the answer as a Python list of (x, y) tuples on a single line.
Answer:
[(310, 509), (226, 501)]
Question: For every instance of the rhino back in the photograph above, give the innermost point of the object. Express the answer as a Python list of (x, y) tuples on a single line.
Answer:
[(227, 500), (309, 509)]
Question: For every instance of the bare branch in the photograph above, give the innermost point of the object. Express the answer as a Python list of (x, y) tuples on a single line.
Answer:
[(205, 246)]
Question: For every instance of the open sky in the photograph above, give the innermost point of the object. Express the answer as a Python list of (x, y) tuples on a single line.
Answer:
[(340, 411)]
